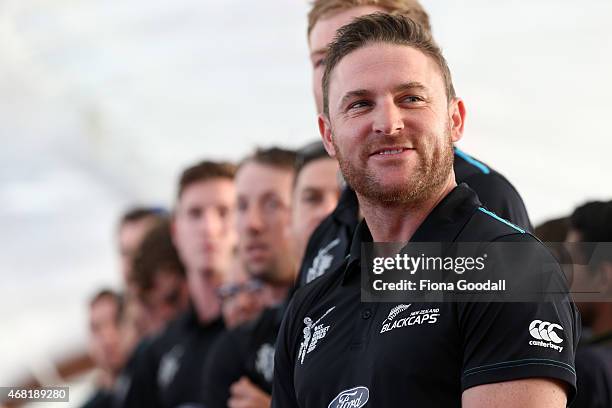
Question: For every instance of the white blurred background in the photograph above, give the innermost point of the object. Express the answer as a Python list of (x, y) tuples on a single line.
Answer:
[(102, 103)]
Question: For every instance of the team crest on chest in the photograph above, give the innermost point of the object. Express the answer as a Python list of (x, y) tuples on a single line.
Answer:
[(313, 333)]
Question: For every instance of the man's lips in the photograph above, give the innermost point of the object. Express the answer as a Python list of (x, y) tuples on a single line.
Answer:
[(391, 151), (256, 249)]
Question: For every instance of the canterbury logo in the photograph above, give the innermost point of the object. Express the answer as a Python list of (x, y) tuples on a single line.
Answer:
[(545, 331)]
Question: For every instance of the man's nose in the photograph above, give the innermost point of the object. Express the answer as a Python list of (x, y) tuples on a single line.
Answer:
[(387, 119), (254, 219), (209, 223)]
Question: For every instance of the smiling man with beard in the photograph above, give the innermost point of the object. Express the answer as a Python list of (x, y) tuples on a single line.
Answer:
[(390, 116), (331, 240)]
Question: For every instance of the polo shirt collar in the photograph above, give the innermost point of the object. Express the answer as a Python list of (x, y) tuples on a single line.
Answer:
[(347, 210), (443, 224)]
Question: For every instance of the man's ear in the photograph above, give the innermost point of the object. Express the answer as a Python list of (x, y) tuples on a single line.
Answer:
[(326, 134), (456, 112)]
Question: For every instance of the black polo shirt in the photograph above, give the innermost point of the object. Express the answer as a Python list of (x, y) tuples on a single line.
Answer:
[(168, 370), (331, 240), (594, 370), (100, 399), (247, 350), (334, 351)]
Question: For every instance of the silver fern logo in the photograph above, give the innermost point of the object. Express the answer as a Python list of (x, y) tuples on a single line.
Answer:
[(396, 310), (396, 320)]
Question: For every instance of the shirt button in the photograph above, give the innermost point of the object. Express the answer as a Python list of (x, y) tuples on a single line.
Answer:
[(366, 314)]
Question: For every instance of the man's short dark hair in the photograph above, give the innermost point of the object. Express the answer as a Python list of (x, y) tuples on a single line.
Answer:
[(277, 157), (593, 221), (322, 9), (138, 213), (309, 153), (383, 28), (156, 254), (108, 294), (205, 171), (554, 230)]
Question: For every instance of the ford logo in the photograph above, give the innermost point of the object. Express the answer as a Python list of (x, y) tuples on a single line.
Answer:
[(353, 398)]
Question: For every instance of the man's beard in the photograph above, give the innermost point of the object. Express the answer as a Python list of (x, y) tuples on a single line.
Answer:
[(432, 171), (268, 274)]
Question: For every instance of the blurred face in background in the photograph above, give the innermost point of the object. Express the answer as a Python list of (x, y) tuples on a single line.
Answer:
[(105, 339), (321, 35), (315, 196), (240, 295), (203, 230), (584, 279), (131, 234), (133, 324), (167, 298), (264, 222), (204, 236)]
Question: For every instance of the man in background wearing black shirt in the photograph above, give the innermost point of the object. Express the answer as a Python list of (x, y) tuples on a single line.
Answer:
[(590, 225), (169, 368), (241, 365)]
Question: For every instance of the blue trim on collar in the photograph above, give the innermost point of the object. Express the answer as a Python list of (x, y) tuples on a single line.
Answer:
[(472, 161), (498, 218)]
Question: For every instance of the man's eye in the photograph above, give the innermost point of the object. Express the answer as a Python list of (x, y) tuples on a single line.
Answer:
[(312, 198), (358, 105), (194, 213), (412, 99), (272, 205), (242, 206)]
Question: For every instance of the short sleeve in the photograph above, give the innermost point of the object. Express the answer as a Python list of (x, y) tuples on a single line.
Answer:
[(512, 341)]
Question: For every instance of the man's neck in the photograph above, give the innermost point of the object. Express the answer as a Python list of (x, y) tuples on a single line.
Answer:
[(274, 295), (203, 293), (398, 223)]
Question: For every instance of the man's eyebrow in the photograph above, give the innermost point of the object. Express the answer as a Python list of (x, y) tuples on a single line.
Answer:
[(319, 51), (410, 85), (358, 93)]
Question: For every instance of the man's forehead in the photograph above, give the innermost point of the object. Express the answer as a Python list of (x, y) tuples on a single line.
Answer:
[(324, 31), (258, 180), (208, 193), (254, 170), (401, 66)]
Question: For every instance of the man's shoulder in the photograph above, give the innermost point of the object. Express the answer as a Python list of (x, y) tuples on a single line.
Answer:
[(494, 190), (306, 295), (487, 226), (178, 330), (173, 328), (262, 326)]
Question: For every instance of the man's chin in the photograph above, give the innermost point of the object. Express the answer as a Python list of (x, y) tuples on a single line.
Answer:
[(258, 270)]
